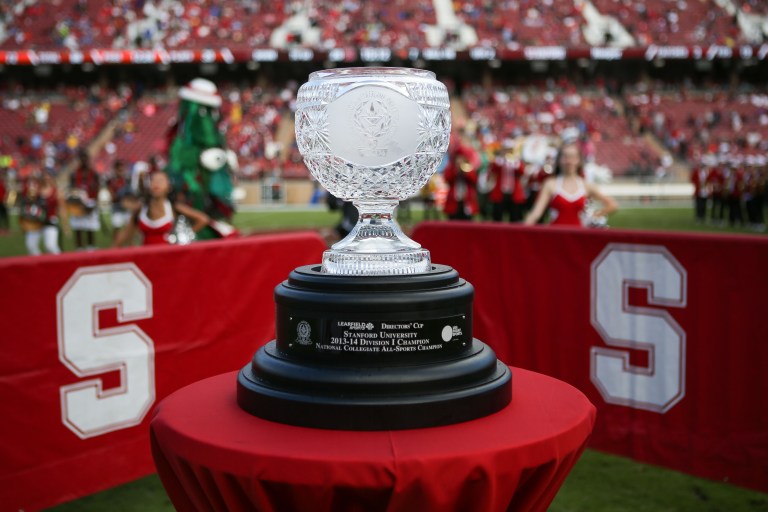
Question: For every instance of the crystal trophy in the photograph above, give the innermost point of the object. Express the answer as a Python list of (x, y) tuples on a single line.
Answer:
[(373, 136), (377, 336)]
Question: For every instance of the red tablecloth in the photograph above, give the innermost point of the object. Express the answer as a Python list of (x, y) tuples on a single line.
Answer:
[(213, 456)]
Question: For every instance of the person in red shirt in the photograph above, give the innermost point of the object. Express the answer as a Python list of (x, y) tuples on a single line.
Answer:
[(461, 176), (536, 181), (155, 219), (508, 193), (4, 224), (82, 202), (753, 195), (733, 186), (700, 192), (715, 182), (39, 215), (566, 193)]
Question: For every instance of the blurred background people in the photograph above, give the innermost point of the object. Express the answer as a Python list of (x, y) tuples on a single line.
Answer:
[(461, 177), (82, 205), (39, 215), (734, 186), (715, 184), (701, 190), (124, 199), (4, 224), (508, 181)]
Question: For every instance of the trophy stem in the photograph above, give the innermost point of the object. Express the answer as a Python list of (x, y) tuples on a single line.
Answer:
[(376, 245)]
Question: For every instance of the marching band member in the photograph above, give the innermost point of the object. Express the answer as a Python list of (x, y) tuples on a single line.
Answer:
[(39, 217), (461, 176), (700, 192), (82, 203), (508, 194), (733, 179), (715, 183)]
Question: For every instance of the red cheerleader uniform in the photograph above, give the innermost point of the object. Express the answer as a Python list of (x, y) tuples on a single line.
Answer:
[(156, 231), (566, 209)]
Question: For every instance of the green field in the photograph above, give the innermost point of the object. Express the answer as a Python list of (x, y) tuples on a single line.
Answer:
[(269, 220), (599, 482)]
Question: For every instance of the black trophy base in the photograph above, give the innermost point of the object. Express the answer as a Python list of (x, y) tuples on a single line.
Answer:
[(422, 395), (374, 353)]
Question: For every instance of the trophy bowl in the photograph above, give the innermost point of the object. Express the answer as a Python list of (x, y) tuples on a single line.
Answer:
[(373, 136), (377, 337)]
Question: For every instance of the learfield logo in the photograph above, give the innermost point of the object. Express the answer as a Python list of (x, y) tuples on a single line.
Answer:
[(357, 326)]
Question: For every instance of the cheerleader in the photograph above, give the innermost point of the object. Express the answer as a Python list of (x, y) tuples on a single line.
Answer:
[(567, 193), (156, 218)]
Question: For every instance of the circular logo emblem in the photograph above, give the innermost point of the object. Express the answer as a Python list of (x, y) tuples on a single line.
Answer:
[(447, 333), (373, 118), (373, 125), (303, 331)]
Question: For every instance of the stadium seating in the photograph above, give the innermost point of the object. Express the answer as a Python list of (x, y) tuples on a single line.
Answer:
[(140, 134), (251, 121), (504, 113), (45, 128), (396, 24), (691, 124), (43, 131), (209, 24), (524, 22), (77, 25), (83, 24), (672, 22)]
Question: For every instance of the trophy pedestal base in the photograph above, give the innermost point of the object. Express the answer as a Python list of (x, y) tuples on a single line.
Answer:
[(374, 353), (374, 397), (394, 263)]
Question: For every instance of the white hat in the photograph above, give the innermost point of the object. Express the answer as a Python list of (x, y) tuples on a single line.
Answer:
[(201, 91)]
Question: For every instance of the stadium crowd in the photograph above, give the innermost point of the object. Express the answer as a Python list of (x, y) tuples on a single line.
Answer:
[(665, 22), (639, 131), (397, 24)]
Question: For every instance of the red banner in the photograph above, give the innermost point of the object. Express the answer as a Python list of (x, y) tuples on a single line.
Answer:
[(113, 56), (91, 342), (665, 333)]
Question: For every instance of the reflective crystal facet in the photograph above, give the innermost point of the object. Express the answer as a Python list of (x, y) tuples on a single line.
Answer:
[(373, 136)]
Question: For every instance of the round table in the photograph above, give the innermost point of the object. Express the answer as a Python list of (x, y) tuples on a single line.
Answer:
[(213, 456)]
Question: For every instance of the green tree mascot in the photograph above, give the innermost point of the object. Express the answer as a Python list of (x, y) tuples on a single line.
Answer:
[(199, 164)]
